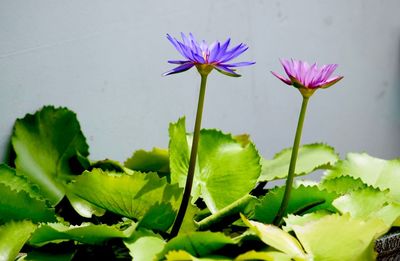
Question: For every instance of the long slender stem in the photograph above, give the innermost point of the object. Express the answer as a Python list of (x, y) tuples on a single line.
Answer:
[(292, 166), (192, 161)]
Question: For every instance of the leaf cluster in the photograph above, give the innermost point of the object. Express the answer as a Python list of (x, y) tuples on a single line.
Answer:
[(58, 204)]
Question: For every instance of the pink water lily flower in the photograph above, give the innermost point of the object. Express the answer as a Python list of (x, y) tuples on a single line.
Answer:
[(302, 75)]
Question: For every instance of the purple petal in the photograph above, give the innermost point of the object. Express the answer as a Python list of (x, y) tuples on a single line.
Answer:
[(283, 79), (185, 40), (181, 68), (176, 44), (235, 52), (186, 51), (223, 49), (214, 53), (198, 58), (177, 61), (225, 69), (238, 64)]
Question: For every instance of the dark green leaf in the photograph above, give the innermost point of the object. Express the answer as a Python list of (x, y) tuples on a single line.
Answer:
[(159, 217), (156, 160)]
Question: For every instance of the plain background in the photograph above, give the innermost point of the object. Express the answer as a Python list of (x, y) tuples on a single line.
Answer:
[(104, 60)]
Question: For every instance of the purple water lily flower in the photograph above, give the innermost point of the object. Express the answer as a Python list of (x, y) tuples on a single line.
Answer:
[(216, 55), (302, 75)]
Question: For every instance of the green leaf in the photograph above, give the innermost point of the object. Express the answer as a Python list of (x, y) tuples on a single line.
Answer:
[(108, 165), (310, 158), (20, 205), (13, 236), (335, 237), (156, 160), (20, 199), (188, 224), (342, 185), (60, 255), (267, 256), (227, 74), (83, 207), (223, 162), (198, 244), (128, 195), (302, 199), (9, 178), (375, 172), (160, 217), (185, 256), (277, 238), (45, 143), (86, 233), (379, 205), (144, 245)]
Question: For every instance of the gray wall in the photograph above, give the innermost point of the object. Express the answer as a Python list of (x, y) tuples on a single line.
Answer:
[(104, 60)]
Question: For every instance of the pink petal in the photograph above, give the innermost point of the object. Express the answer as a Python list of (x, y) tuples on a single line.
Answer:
[(287, 81), (330, 82)]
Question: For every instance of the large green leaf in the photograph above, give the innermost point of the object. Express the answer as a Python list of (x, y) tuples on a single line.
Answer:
[(337, 237), (144, 245), (45, 144), (198, 244), (342, 184), (379, 205), (303, 199), (9, 177), (20, 199), (310, 158), (37, 255), (159, 216), (83, 207), (227, 169), (128, 195), (156, 160), (85, 233), (13, 236), (375, 172), (277, 238), (20, 205)]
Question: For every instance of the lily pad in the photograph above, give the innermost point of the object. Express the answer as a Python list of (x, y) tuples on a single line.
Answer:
[(223, 162), (128, 195), (310, 158), (45, 143)]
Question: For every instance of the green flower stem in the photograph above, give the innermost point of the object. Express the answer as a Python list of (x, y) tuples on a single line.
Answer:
[(228, 211), (192, 161), (292, 166)]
